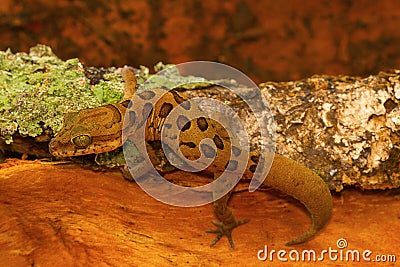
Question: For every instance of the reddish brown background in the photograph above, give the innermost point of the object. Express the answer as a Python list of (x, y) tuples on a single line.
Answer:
[(270, 40), (53, 216)]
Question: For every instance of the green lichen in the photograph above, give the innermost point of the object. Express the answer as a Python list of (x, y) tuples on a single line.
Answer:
[(171, 78), (38, 89), (109, 90)]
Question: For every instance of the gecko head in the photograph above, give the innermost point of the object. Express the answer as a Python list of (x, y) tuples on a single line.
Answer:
[(89, 131)]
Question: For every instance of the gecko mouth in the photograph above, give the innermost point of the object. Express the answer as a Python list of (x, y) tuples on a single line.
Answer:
[(56, 150)]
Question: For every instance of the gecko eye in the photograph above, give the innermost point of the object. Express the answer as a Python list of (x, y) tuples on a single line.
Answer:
[(82, 141)]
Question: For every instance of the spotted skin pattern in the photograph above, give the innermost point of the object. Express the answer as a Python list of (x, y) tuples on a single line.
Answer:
[(99, 130)]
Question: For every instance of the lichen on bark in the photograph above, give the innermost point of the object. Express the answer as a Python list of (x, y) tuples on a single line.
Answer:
[(37, 89)]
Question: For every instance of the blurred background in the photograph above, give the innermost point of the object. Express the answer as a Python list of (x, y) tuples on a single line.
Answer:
[(267, 39)]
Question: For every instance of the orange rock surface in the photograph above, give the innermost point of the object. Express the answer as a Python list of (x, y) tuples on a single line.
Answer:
[(65, 215)]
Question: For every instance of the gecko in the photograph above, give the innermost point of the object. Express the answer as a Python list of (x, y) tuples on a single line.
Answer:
[(98, 130)]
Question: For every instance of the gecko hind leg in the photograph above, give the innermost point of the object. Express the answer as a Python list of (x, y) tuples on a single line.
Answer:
[(227, 221)]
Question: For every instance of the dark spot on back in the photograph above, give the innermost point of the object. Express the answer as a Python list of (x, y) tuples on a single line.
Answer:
[(183, 123), (202, 124), (168, 125), (186, 105), (126, 103), (146, 95), (253, 168), (208, 151), (231, 165), (255, 158), (130, 104), (236, 151), (165, 110), (173, 137), (147, 109), (146, 113), (218, 142), (139, 159), (189, 144), (179, 99), (131, 118)]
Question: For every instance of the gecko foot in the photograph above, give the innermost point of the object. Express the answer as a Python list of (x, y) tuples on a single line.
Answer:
[(224, 230)]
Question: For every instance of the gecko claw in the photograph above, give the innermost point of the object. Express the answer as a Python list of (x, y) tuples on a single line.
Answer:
[(224, 230)]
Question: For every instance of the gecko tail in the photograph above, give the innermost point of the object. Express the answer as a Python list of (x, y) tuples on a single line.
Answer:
[(307, 235), (320, 215), (301, 183)]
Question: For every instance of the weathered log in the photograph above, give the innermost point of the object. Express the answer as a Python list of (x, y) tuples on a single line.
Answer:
[(344, 128)]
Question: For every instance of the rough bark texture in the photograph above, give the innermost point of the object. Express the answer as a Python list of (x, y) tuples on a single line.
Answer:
[(344, 128)]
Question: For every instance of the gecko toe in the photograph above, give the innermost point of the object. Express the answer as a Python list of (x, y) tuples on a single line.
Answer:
[(225, 230)]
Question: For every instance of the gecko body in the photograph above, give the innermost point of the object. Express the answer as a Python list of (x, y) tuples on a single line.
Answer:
[(99, 130)]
